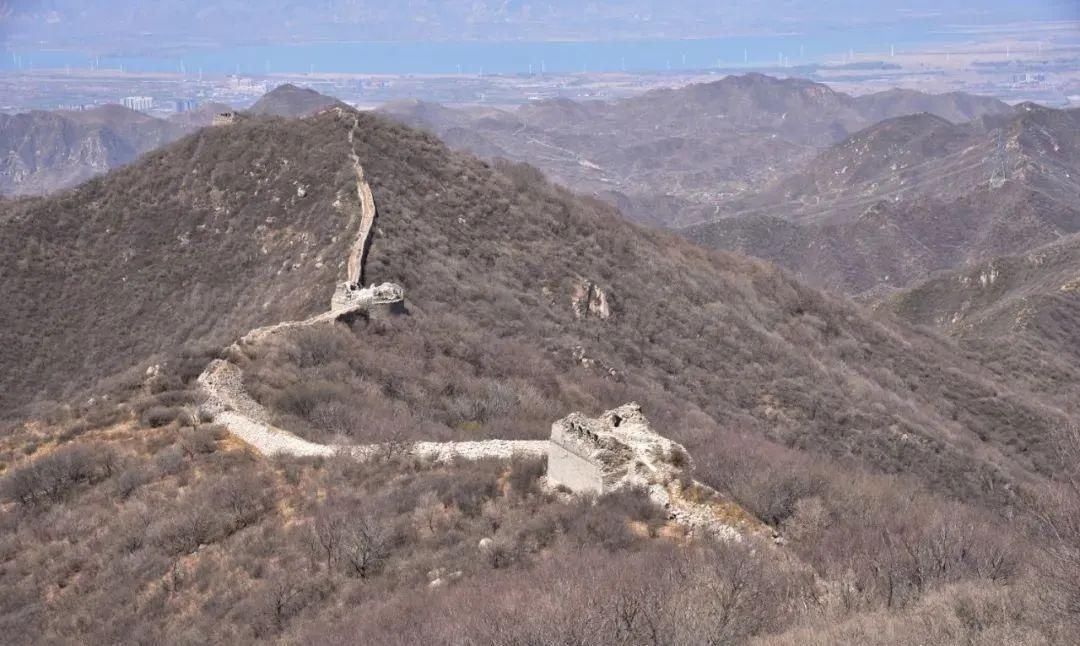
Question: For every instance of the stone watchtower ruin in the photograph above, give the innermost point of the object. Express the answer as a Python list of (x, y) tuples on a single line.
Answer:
[(224, 119), (388, 298), (617, 449)]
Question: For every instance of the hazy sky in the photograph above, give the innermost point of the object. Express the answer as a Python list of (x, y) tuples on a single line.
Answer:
[(133, 24)]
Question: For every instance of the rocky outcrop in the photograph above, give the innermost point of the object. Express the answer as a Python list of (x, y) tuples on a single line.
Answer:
[(590, 301)]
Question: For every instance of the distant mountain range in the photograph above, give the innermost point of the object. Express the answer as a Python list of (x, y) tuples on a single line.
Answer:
[(49, 151), (912, 195), (857, 194), (676, 157), (783, 169)]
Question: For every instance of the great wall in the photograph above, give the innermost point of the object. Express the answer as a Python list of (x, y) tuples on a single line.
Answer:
[(589, 456)]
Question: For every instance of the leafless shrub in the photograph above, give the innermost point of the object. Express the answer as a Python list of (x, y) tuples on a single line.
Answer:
[(365, 544), (525, 475), (170, 460), (130, 480), (183, 531), (1058, 522), (198, 440), (157, 416), (242, 499), (303, 399), (50, 478), (352, 535)]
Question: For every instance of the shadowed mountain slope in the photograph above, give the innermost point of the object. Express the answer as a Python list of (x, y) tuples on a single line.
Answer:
[(49, 151)]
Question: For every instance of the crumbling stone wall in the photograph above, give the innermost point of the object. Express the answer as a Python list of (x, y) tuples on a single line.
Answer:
[(578, 473), (617, 449), (224, 119)]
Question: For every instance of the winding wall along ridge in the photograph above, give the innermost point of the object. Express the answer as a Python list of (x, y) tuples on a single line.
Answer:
[(230, 405)]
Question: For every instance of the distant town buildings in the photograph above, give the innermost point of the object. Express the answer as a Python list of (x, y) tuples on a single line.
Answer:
[(1029, 78), (241, 85), (184, 105), (140, 103)]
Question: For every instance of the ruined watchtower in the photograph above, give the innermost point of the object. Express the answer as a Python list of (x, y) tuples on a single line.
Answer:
[(388, 298), (224, 119), (617, 449)]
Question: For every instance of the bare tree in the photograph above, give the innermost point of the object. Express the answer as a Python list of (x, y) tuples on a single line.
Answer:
[(364, 544), (326, 533), (1059, 519)]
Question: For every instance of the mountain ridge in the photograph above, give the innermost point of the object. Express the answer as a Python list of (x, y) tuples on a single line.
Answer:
[(676, 156), (491, 258), (937, 195)]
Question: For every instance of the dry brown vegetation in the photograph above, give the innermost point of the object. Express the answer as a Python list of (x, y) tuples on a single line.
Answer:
[(673, 157), (910, 196), (179, 535), (918, 491)]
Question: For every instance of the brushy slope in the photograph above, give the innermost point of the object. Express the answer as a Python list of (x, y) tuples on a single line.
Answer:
[(198, 242), (491, 258), (914, 195), (1032, 299), (131, 509)]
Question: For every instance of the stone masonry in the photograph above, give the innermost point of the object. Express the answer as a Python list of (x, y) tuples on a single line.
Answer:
[(617, 449)]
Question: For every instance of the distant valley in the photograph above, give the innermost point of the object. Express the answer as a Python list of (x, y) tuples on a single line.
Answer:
[(680, 156), (48, 151), (51, 151), (913, 195)]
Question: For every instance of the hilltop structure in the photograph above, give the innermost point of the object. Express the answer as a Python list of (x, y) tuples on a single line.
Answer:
[(224, 118)]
